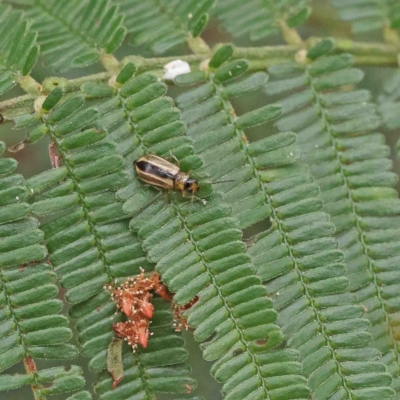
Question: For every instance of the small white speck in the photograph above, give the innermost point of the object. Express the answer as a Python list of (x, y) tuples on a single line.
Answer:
[(31, 190), (291, 153), (17, 198), (316, 146), (190, 16), (175, 68)]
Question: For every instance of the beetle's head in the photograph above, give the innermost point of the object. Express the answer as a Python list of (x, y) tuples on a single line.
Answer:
[(191, 186)]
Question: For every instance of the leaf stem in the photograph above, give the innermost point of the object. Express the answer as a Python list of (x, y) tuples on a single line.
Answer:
[(30, 368), (30, 85), (391, 36), (290, 35), (148, 64), (110, 63), (260, 58), (198, 45)]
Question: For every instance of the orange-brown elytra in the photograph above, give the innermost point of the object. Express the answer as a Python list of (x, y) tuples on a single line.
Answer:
[(161, 173)]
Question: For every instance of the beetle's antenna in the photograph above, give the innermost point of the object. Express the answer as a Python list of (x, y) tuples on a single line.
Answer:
[(230, 180)]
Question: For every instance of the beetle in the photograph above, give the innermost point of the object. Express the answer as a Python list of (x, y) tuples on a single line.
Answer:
[(157, 171)]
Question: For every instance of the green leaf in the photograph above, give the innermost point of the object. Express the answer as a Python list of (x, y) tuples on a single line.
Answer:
[(259, 19), (165, 24), (299, 18), (84, 30), (50, 206), (8, 382), (46, 179), (7, 165), (52, 99), (223, 54), (388, 101), (65, 109), (116, 40), (36, 134), (64, 384), (18, 47), (126, 73), (366, 16), (321, 48), (83, 395), (48, 336), (247, 84), (82, 139), (259, 116), (75, 121), (9, 357), (31, 59), (191, 78), (92, 89), (231, 70), (57, 352), (197, 28)]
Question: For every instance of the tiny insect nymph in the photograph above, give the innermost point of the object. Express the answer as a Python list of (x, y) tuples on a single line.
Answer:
[(158, 172)]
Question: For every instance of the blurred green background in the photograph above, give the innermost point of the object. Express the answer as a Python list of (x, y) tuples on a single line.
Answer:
[(34, 159)]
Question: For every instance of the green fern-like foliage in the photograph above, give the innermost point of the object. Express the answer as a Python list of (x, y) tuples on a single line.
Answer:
[(285, 261), (369, 15), (259, 19), (198, 250), (75, 34), (349, 161), (31, 325), (389, 102), (90, 244), (18, 47), (297, 258), (163, 24)]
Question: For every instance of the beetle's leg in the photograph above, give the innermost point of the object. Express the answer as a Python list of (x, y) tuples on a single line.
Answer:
[(147, 185), (171, 156), (200, 199)]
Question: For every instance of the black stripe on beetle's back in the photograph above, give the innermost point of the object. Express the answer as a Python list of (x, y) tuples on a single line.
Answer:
[(153, 170)]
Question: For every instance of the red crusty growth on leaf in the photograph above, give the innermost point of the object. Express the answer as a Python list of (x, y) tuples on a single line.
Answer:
[(133, 298)]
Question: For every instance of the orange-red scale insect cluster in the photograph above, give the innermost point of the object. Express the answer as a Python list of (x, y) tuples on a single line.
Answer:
[(133, 297)]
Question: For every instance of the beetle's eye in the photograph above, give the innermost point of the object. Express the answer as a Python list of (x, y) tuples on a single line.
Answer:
[(188, 185)]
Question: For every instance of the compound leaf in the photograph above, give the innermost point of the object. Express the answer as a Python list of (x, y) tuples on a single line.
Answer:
[(259, 19), (349, 161), (163, 24), (75, 34), (297, 258), (19, 50)]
